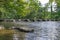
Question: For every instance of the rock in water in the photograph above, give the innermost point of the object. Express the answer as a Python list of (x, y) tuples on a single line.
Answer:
[(24, 29)]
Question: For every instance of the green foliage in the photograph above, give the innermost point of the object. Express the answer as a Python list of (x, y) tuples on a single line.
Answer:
[(17, 9), (21, 9)]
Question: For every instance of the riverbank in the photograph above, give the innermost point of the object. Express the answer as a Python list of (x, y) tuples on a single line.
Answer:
[(27, 20)]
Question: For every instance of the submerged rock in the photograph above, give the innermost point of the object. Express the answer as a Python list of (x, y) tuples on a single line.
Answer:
[(24, 29)]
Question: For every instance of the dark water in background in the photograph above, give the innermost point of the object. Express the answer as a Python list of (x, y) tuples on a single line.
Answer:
[(44, 30)]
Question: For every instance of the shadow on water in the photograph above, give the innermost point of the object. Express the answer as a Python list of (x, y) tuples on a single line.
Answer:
[(47, 30)]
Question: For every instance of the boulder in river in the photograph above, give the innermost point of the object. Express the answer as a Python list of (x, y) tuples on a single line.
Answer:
[(24, 29)]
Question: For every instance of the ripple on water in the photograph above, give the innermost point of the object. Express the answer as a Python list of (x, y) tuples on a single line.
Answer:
[(43, 31)]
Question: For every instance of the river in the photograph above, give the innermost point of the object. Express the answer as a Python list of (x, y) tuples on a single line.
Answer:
[(43, 30)]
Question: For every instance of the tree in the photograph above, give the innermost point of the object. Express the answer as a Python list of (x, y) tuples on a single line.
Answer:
[(18, 8)]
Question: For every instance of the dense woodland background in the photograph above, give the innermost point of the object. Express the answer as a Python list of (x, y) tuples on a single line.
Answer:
[(28, 9)]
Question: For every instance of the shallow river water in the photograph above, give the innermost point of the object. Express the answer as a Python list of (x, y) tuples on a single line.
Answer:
[(45, 30)]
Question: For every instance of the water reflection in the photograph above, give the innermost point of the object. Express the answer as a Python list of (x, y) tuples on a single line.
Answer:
[(18, 35), (15, 37)]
